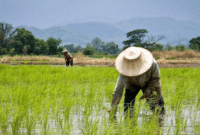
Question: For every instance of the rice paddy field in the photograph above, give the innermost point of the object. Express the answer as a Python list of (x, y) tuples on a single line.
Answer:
[(54, 100)]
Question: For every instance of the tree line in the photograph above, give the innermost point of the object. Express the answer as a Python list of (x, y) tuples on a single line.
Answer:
[(22, 41), (139, 38), (96, 46)]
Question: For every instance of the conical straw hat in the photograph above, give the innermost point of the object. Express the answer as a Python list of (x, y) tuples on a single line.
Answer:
[(133, 61), (64, 51)]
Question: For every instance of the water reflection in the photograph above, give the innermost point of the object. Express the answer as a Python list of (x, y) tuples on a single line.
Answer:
[(181, 121)]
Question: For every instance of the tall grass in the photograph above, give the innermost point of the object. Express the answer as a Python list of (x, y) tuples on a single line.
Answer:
[(75, 100), (174, 54)]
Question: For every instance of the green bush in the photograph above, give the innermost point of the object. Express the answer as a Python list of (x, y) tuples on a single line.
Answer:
[(89, 50), (3, 51), (12, 52)]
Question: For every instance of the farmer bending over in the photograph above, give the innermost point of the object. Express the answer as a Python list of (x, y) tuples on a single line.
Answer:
[(138, 70), (68, 58)]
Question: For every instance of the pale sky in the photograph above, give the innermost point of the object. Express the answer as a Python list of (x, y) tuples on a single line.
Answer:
[(47, 13)]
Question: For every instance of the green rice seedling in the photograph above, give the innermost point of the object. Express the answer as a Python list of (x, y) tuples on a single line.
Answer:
[(109, 129), (67, 100), (45, 121), (93, 127), (184, 126), (67, 122), (197, 128), (30, 122), (4, 119), (17, 121), (178, 122)]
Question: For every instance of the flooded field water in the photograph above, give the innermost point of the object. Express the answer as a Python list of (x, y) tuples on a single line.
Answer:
[(186, 122), (46, 100)]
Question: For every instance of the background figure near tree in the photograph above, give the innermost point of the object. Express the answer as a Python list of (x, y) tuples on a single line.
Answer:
[(68, 58)]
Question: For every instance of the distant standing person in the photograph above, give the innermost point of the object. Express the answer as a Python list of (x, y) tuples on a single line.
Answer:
[(138, 71), (68, 58)]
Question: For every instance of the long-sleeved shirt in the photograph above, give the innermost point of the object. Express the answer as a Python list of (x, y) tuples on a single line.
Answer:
[(68, 56), (148, 80)]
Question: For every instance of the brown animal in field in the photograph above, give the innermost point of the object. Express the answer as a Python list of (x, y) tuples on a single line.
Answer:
[(68, 58), (149, 93)]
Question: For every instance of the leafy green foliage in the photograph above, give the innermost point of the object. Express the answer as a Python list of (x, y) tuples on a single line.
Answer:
[(89, 50), (23, 41), (168, 47), (97, 44), (157, 47), (102, 47), (70, 48), (3, 51), (180, 48), (41, 47), (110, 48), (20, 41), (78, 49), (195, 43), (53, 45), (135, 36), (194, 46), (25, 38), (6, 38)]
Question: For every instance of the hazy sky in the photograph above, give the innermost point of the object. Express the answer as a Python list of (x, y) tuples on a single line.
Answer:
[(46, 13)]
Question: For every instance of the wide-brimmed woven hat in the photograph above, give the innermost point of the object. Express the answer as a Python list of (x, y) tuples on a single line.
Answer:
[(133, 61), (64, 51)]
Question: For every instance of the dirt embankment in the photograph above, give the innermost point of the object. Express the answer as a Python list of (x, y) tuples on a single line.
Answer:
[(165, 60), (174, 58)]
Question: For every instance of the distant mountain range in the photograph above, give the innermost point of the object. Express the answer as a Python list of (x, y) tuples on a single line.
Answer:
[(175, 31)]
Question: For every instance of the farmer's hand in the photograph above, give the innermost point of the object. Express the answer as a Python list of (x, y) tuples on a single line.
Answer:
[(146, 94)]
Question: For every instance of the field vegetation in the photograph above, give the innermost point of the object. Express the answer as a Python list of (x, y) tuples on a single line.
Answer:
[(162, 57), (47, 99), (21, 41)]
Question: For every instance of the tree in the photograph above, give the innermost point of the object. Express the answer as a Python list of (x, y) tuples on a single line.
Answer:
[(168, 47), (135, 36), (77, 49), (5, 30), (70, 48), (25, 38), (97, 44), (18, 46), (194, 42), (157, 47), (180, 47), (194, 46), (60, 49), (53, 45), (41, 47), (138, 38), (89, 50), (6, 37), (151, 41), (3, 51), (12, 52), (111, 48)]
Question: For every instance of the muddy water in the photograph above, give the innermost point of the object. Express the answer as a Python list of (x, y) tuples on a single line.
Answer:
[(187, 119)]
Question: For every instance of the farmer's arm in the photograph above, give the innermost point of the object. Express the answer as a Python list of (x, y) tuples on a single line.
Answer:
[(118, 91), (154, 82)]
